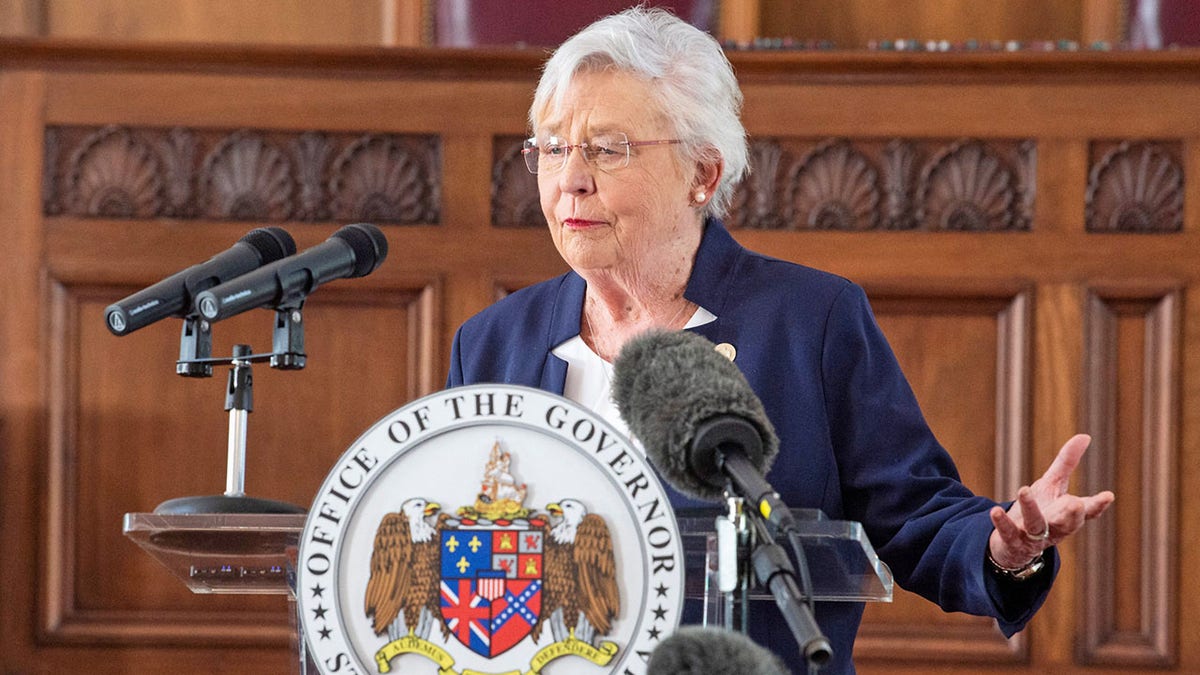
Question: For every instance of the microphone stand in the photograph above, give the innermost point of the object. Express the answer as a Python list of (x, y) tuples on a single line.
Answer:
[(195, 348), (774, 570)]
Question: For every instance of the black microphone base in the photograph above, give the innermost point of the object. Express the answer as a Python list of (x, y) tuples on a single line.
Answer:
[(224, 504)]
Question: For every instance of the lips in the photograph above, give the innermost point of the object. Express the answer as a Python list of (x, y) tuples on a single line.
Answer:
[(581, 223)]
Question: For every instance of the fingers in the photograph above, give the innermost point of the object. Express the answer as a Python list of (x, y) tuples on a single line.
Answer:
[(1097, 504), (1068, 458), (1009, 545), (1004, 525), (1033, 520)]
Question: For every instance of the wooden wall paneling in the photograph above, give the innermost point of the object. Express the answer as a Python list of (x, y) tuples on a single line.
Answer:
[(1061, 177), (22, 18), (1129, 604), (1064, 108), (852, 24), (22, 417), (740, 21), (982, 316), (384, 102), (1056, 402), (1103, 21), (1188, 463), (407, 23), (353, 22)]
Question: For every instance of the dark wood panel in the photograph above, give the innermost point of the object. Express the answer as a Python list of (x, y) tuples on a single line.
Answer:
[(1132, 403)]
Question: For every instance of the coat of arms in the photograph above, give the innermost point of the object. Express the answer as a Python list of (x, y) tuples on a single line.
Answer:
[(492, 576)]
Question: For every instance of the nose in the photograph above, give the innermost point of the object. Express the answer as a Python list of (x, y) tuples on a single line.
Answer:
[(576, 176)]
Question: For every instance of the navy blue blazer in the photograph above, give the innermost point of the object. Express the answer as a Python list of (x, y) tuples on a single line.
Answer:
[(853, 441)]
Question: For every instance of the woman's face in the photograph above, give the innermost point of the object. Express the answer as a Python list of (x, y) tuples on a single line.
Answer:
[(628, 219)]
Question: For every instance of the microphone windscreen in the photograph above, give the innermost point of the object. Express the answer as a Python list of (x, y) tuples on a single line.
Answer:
[(369, 245), (666, 383), (272, 243), (696, 650)]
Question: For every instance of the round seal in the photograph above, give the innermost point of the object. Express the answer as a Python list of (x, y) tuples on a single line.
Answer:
[(489, 529)]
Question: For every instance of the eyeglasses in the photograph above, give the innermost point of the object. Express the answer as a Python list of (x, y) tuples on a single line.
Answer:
[(605, 152)]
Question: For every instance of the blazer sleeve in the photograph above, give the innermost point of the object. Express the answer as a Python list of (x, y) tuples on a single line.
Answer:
[(898, 481), (455, 376)]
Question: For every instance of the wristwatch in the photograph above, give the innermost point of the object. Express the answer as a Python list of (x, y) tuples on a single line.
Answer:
[(1016, 573)]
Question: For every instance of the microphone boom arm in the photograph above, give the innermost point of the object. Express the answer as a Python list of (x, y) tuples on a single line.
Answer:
[(775, 571)]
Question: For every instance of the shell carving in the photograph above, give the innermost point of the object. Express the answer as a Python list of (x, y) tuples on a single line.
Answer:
[(966, 188), (833, 188), (1136, 187), (377, 179), (756, 201), (247, 179), (113, 175), (515, 201)]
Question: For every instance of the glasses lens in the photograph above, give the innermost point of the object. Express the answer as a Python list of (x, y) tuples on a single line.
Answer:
[(529, 151), (608, 151)]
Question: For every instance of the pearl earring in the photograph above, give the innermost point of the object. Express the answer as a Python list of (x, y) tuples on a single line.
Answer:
[(700, 197)]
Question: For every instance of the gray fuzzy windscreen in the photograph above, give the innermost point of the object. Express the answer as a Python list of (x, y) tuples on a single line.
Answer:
[(694, 650), (668, 382)]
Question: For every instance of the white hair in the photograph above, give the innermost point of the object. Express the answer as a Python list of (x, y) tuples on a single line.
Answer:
[(697, 91)]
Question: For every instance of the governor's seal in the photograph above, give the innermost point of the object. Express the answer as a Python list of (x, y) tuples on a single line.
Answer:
[(489, 530)]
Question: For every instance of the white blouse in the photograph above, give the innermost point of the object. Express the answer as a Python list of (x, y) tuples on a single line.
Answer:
[(589, 377)]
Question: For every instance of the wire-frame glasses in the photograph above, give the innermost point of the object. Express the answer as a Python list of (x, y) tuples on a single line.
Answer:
[(606, 152)]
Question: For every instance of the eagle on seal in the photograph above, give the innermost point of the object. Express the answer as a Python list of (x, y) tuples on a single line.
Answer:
[(402, 591), (580, 594)]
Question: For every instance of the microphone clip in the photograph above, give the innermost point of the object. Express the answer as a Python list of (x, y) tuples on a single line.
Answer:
[(287, 341), (287, 345)]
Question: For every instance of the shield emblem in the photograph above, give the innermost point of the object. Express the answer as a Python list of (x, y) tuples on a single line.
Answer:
[(491, 586)]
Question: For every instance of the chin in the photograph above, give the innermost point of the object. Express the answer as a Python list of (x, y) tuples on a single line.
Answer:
[(583, 253), (592, 260)]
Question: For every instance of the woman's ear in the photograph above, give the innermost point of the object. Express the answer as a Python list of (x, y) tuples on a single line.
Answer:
[(708, 176)]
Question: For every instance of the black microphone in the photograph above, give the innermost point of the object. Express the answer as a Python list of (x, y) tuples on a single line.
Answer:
[(695, 650), (705, 430), (174, 295), (701, 424), (353, 251)]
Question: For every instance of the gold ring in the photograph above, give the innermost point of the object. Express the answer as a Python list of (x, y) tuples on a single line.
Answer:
[(1039, 537)]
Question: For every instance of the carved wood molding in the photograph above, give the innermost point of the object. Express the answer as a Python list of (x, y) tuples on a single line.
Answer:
[(843, 184), (1153, 383), (244, 174), (515, 201), (897, 184), (974, 640), (1135, 186)]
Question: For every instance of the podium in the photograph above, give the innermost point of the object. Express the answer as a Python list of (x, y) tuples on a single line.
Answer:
[(234, 553), (256, 554)]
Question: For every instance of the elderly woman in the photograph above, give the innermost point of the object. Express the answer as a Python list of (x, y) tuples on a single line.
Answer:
[(637, 145)]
